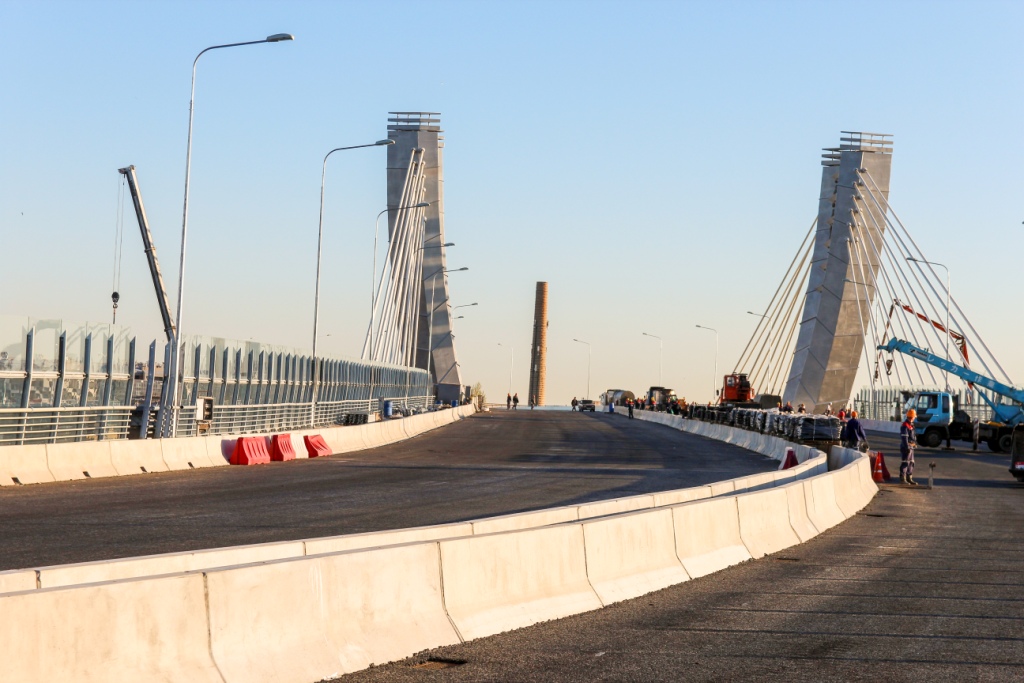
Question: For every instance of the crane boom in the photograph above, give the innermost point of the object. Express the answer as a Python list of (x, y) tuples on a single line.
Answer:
[(147, 242), (971, 376)]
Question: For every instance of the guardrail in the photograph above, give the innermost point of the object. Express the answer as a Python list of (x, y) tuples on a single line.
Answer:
[(59, 425)]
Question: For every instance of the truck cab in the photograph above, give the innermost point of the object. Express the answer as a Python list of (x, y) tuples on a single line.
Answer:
[(937, 412)]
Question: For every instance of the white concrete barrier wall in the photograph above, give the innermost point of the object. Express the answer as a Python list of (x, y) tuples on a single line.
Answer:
[(764, 522), (632, 554), (708, 535), (15, 580), (27, 464), (501, 582)]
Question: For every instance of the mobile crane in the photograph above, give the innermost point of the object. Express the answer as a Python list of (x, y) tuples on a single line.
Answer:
[(934, 414)]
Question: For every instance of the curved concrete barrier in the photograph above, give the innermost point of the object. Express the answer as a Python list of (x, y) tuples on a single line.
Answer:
[(185, 453), (501, 582), (135, 456), (820, 496), (632, 554), (615, 506), (851, 493), (169, 563), (146, 630), (681, 496), (764, 522), (799, 518), (380, 539), (27, 464), (525, 520), (708, 535), (317, 618)]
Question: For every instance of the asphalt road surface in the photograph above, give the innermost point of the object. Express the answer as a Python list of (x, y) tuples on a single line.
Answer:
[(922, 585), (491, 464)]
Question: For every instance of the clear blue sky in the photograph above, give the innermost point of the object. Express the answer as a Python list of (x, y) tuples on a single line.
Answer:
[(657, 163)]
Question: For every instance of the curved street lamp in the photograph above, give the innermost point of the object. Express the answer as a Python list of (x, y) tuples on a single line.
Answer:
[(714, 381)]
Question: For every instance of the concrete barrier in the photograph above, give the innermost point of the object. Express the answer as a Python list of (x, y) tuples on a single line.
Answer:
[(755, 482), (27, 464), (135, 456), (887, 426), (500, 582), (851, 495), (820, 496), (17, 580), (721, 488), (764, 522), (379, 539), (799, 518), (525, 520), (681, 496), (69, 461), (167, 563), (708, 535), (317, 618), (632, 554), (185, 453), (615, 506), (121, 632)]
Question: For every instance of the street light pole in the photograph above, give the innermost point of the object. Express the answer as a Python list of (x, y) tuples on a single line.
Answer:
[(661, 354), (580, 341), (945, 373), (714, 383), (767, 362), (319, 255), (172, 390)]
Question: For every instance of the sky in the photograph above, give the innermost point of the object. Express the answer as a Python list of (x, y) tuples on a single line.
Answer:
[(656, 162)]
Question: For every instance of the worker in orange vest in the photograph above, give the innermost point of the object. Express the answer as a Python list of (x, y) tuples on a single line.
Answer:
[(908, 441)]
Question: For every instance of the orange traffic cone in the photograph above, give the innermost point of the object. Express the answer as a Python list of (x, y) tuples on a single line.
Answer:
[(880, 472), (790, 460)]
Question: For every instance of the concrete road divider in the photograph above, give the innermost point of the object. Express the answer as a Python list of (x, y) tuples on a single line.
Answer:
[(187, 453), (70, 461), (681, 496), (122, 632), (764, 522), (500, 582), (798, 513), (24, 465), (17, 580), (721, 488), (755, 482), (135, 456), (317, 618), (820, 495), (850, 493), (525, 520), (379, 539), (632, 554), (169, 563), (615, 506), (708, 535)]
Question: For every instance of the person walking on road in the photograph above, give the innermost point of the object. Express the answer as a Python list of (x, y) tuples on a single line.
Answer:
[(908, 441), (508, 402), (515, 401), (855, 435), (629, 406), (574, 404)]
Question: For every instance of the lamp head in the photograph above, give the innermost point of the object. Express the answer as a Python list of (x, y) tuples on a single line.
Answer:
[(448, 244), (280, 37), (421, 205), (385, 142)]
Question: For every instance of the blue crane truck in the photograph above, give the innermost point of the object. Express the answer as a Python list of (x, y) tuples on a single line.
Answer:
[(936, 412)]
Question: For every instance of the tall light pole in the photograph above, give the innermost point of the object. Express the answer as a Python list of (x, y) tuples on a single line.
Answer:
[(430, 320), (767, 362), (945, 373), (863, 332), (661, 354), (319, 255), (580, 341), (714, 383), (511, 363), (176, 351)]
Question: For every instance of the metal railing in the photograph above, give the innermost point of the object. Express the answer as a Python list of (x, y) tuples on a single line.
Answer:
[(60, 425)]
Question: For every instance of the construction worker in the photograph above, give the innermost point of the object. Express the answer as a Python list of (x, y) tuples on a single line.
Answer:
[(855, 432), (574, 404), (515, 401), (908, 441), (508, 402), (629, 406)]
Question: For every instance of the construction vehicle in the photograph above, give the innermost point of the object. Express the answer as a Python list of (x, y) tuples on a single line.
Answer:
[(738, 392), (936, 412), (661, 397)]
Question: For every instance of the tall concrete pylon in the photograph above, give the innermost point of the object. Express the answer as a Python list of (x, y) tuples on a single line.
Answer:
[(830, 343), (420, 133), (539, 349)]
